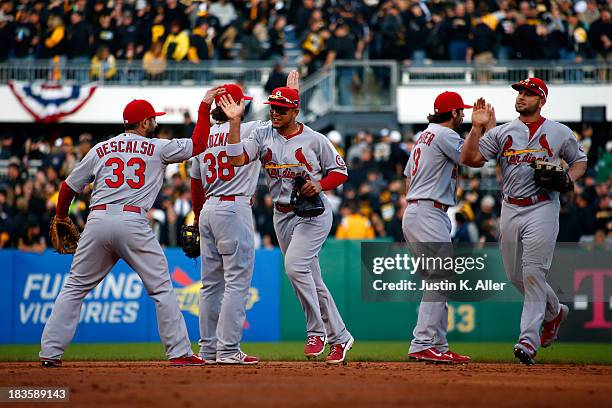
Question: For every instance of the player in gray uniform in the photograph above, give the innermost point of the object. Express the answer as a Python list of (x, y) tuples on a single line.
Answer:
[(127, 173), (286, 149), (226, 236), (431, 181), (529, 215)]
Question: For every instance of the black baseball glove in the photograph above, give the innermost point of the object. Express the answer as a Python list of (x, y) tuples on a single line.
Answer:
[(306, 207), (190, 240), (551, 177)]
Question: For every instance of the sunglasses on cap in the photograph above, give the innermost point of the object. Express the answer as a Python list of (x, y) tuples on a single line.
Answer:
[(282, 99), (533, 87)]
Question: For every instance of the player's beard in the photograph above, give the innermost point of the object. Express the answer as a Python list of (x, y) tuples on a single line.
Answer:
[(150, 131), (456, 123), (527, 109)]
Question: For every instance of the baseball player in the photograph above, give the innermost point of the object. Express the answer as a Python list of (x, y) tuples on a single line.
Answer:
[(530, 214), (226, 236), (128, 173), (286, 149), (431, 181)]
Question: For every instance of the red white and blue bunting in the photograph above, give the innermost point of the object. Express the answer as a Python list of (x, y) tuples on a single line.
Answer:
[(48, 103)]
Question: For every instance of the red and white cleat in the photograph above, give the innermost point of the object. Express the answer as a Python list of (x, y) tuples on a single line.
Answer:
[(315, 345), (192, 360), (457, 358), (337, 352), (431, 355), (550, 330)]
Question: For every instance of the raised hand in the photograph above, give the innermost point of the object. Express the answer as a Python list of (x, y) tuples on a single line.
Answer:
[(492, 120), (231, 109), (481, 115), (209, 97), (293, 80)]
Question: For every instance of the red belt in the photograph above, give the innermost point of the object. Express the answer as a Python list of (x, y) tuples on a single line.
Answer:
[(126, 208), (435, 204), (284, 208), (527, 201), (227, 198)]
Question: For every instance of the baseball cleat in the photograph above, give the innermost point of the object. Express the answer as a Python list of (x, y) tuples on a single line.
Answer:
[(432, 355), (525, 353), (337, 352), (315, 345), (192, 360), (550, 330), (50, 363), (240, 358), (209, 361), (457, 358)]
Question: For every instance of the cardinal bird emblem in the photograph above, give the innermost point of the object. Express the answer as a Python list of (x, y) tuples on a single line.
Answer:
[(545, 145), (268, 156), (299, 156), (507, 150)]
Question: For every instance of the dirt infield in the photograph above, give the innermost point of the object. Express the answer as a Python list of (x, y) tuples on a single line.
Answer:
[(145, 384)]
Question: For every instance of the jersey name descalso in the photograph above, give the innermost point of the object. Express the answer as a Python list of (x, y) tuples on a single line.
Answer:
[(126, 146)]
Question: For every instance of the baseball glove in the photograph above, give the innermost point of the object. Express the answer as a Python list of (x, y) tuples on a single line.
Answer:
[(190, 240), (551, 177), (64, 235), (306, 207)]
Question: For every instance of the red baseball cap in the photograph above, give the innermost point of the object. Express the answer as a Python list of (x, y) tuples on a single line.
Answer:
[(285, 97), (535, 85), (447, 101), (139, 110), (235, 92)]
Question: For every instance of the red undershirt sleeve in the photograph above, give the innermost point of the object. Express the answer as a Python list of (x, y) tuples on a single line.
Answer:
[(197, 196), (65, 196), (333, 180), (201, 130)]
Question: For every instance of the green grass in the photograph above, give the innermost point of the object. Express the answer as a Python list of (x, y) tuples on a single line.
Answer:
[(577, 353)]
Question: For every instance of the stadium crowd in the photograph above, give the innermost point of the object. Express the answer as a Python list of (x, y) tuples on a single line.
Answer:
[(369, 205), (152, 33)]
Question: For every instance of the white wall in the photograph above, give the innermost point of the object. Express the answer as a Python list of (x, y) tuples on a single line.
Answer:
[(564, 102), (414, 102), (107, 103)]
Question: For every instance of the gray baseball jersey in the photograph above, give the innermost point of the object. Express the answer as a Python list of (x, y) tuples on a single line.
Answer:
[(433, 164), (432, 170), (212, 166), (226, 242), (128, 169), (529, 233), (309, 154), (512, 147)]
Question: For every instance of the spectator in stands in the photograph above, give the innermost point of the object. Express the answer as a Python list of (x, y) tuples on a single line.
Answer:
[(418, 30), (7, 24), (32, 240), (201, 46), (154, 63), (54, 44), (252, 48), (79, 42), (176, 45), (343, 46), (600, 36), (354, 225), (480, 49), (457, 32), (276, 37), (277, 78), (103, 64), (105, 33), (304, 12), (85, 145), (26, 35)]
